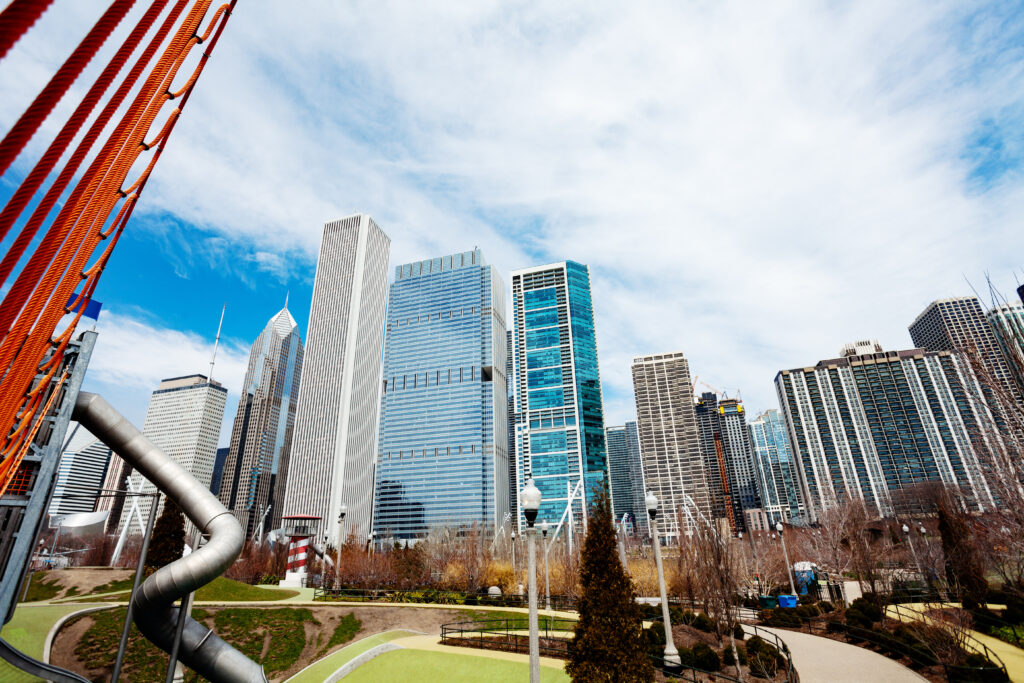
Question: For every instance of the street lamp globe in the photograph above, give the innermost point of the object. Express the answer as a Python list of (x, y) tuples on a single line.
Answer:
[(906, 529), (652, 504), (923, 530), (778, 527), (544, 528), (342, 512), (530, 497)]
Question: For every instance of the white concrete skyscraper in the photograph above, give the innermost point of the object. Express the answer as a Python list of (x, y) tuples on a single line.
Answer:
[(183, 420), (256, 468), (669, 438), (334, 446)]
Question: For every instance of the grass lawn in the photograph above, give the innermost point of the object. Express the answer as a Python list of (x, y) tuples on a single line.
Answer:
[(27, 631), (318, 672), (226, 590), (421, 665)]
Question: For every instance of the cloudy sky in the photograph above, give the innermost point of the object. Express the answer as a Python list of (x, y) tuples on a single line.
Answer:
[(753, 184)]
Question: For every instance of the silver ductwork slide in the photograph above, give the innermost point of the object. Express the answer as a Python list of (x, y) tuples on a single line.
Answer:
[(154, 613)]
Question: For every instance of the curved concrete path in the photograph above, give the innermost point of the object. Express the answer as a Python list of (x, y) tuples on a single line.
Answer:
[(821, 660)]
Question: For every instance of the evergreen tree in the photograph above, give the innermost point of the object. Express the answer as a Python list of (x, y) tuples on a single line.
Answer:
[(608, 643), (168, 539)]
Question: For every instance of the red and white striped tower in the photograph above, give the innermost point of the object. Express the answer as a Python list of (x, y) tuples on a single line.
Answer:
[(300, 530)]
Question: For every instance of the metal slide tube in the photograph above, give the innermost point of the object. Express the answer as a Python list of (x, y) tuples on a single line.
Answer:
[(153, 605)]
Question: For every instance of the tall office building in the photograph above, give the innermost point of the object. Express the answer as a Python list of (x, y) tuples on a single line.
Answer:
[(728, 458), (334, 445), (442, 455), (626, 473), (115, 479), (183, 420), (80, 477), (256, 468), (218, 469), (559, 412), (960, 324), (510, 396), (869, 425), (669, 441), (778, 476)]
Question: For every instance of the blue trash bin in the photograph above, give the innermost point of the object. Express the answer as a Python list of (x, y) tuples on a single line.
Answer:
[(787, 601), (767, 601)]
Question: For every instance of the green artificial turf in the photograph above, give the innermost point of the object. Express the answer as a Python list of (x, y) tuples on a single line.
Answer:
[(422, 665)]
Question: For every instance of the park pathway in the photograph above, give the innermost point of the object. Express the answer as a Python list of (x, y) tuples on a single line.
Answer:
[(821, 660)]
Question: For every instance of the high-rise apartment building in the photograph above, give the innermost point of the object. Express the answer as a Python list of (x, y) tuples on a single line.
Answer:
[(559, 412), (334, 444), (728, 458), (626, 473), (669, 440), (183, 420), (872, 425), (80, 477), (256, 468), (960, 324), (510, 395), (442, 454), (1007, 322), (778, 476)]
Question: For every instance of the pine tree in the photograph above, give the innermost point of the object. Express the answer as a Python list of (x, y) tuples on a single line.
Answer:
[(168, 539), (608, 643)]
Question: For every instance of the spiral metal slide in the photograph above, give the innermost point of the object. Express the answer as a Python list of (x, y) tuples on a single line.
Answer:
[(156, 617)]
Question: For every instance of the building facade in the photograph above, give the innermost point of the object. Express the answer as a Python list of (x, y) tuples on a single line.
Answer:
[(510, 395), (1007, 323), (334, 444), (777, 474), (183, 420), (80, 477), (626, 473), (673, 466), (442, 456), (869, 426), (728, 458), (559, 411), (960, 324), (255, 471)]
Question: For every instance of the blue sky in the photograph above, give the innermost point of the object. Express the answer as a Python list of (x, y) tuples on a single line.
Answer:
[(754, 185)]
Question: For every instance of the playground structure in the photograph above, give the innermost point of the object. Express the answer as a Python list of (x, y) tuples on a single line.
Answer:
[(81, 209)]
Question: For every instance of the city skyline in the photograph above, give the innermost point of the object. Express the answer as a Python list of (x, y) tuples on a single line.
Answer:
[(244, 226)]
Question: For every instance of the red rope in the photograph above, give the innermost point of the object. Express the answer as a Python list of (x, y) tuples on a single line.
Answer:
[(47, 99), (60, 143), (29, 275), (17, 18)]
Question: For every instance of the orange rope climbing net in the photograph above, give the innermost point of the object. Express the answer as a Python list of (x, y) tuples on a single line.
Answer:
[(66, 264)]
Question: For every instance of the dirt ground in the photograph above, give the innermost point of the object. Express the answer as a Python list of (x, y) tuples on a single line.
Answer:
[(375, 619), (85, 579)]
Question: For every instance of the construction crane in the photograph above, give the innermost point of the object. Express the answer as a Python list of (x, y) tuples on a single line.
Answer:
[(723, 394)]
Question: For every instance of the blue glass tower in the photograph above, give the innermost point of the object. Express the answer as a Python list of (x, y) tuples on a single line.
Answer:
[(778, 481), (559, 415), (442, 455)]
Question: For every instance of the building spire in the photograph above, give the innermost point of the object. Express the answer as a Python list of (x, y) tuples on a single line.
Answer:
[(286, 293), (216, 341)]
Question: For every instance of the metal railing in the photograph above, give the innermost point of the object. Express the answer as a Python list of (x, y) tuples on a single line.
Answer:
[(919, 653), (904, 614), (773, 639), (511, 635)]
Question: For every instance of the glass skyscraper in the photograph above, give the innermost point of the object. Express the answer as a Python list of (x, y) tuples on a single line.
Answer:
[(778, 481), (442, 456), (730, 473), (626, 473), (559, 411)]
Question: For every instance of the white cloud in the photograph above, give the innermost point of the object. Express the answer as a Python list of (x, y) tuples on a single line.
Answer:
[(753, 184), (133, 354)]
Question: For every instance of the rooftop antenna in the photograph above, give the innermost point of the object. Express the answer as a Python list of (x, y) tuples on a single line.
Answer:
[(216, 342)]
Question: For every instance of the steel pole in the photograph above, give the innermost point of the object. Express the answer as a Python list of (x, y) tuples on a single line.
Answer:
[(184, 610), (620, 534), (135, 586), (534, 628), (913, 550), (671, 653), (547, 579), (337, 564)]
